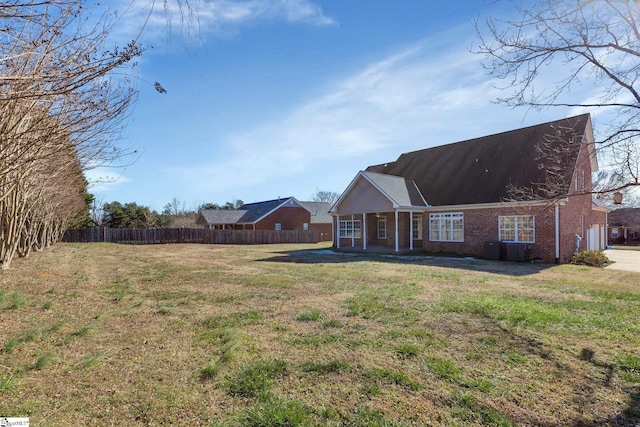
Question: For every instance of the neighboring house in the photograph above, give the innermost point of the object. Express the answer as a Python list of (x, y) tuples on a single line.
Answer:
[(321, 219), (459, 198), (278, 214), (624, 226)]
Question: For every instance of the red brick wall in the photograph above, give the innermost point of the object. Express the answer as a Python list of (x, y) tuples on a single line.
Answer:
[(324, 231), (481, 226), (290, 218)]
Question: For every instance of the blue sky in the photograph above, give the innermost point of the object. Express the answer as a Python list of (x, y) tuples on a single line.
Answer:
[(275, 98)]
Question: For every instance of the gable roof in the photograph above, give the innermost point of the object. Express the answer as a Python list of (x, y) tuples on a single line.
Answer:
[(319, 212), (246, 214), (625, 217), (219, 216), (399, 191), (480, 170)]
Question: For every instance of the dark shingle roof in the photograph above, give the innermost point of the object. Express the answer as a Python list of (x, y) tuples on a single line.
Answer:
[(246, 214), (480, 170), (255, 211), (626, 217)]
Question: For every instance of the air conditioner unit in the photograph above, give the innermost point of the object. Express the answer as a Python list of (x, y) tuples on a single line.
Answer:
[(514, 252)]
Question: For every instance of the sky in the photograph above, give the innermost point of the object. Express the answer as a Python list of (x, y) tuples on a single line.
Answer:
[(277, 98)]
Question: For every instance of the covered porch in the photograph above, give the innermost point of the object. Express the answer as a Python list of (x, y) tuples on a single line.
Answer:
[(395, 231)]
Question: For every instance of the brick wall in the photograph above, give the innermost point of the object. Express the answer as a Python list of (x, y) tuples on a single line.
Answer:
[(481, 226), (290, 218)]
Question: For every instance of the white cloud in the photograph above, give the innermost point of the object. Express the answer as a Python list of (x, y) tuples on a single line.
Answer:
[(220, 18), (410, 100)]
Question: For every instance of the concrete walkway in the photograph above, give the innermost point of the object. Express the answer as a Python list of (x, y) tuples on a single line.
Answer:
[(625, 260)]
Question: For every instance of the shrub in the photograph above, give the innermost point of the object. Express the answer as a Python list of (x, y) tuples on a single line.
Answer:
[(591, 258)]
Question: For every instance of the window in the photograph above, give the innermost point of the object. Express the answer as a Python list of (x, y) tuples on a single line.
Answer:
[(615, 233), (278, 226), (350, 228), (305, 226), (446, 227), (416, 227), (382, 227), (517, 228)]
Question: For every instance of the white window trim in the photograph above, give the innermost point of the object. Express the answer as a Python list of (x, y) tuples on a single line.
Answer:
[(278, 226), (516, 228), (349, 230), (382, 219), (417, 219), (445, 216)]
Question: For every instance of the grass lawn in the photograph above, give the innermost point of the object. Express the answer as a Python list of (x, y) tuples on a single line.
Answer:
[(105, 334)]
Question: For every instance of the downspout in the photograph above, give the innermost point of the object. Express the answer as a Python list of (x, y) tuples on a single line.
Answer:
[(605, 240), (557, 233)]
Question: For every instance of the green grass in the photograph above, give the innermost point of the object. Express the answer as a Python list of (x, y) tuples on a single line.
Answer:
[(6, 382), (43, 360), (442, 367), (283, 335), (13, 301), (390, 376), (272, 412), (255, 379), (309, 316)]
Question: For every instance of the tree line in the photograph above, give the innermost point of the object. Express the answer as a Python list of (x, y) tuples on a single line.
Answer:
[(174, 214), (133, 215), (61, 112)]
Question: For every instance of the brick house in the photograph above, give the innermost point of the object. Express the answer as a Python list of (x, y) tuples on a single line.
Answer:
[(278, 214), (321, 220), (460, 197), (624, 226)]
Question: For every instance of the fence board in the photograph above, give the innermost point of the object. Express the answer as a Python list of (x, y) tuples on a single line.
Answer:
[(187, 235)]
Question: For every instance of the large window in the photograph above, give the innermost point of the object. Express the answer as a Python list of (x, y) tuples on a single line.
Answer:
[(382, 227), (416, 227), (517, 228), (350, 228), (446, 227)]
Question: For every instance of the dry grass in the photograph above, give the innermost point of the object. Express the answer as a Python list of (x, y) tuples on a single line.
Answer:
[(104, 334)]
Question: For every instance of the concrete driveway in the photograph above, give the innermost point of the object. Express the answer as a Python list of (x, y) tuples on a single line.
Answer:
[(625, 260)]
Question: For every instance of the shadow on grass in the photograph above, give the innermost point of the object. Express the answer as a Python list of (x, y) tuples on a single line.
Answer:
[(330, 256)]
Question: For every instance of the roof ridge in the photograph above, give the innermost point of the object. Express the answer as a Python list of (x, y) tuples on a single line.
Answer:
[(492, 135)]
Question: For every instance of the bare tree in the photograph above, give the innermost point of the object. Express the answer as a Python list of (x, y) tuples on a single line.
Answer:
[(61, 111), (325, 196), (595, 43)]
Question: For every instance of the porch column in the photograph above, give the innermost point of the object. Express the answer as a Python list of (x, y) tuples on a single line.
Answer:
[(364, 231), (410, 231), (353, 233), (337, 233), (397, 230)]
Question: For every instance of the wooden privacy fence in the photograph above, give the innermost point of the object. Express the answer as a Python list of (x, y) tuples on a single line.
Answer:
[(152, 236)]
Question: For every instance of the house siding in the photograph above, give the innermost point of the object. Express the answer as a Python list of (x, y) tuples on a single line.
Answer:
[(364, 197)]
